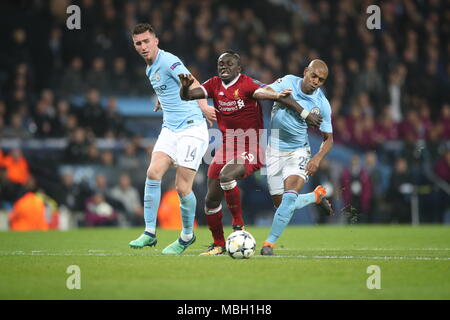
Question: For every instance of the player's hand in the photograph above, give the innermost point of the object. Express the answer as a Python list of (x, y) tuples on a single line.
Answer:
[(210, 114), (313, 120), (283, 94), (157, 107), (186, 80), (312, 166)]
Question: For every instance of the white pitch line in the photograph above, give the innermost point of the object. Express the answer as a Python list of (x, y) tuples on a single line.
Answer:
[(345, 257)]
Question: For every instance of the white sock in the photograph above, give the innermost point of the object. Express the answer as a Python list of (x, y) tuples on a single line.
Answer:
[(186, 237), (150, 230)]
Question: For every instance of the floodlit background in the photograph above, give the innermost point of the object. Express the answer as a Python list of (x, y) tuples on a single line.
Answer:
[(77, 126)]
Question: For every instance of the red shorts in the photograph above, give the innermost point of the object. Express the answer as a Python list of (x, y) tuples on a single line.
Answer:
[(252, 157)]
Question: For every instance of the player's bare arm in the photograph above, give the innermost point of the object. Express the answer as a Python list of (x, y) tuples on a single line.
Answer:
[(284, 97), (325, 147), (186, 93), (190, 90)]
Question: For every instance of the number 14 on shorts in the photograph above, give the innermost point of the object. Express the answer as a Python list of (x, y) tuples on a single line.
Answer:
[(190, 154)]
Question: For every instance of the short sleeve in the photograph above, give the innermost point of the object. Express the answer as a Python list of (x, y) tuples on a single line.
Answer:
[(251, 85), (175, 67), (326, 117), (208, 87), (282, 83)]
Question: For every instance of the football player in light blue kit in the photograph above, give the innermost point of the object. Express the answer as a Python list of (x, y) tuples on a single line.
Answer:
[(289, 161), (182, 142)]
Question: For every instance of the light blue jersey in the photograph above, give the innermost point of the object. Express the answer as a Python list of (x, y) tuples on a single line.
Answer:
[(292, 129), (163, 75)]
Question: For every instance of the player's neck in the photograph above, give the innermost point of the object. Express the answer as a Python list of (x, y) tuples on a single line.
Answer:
[(227, 83)]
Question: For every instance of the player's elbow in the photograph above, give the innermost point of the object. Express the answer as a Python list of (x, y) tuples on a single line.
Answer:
[(328, 138)]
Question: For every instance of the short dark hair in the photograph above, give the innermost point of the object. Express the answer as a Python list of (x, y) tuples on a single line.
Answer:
[(143, 27), (234, 54)]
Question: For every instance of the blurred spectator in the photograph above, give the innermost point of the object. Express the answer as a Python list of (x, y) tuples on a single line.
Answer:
[(356, 191), (128, 160), (93, 154), (97, 77), (15, 129), (72, 82), (17, 168), (399, 193), (444, 122), (129, 197), (44, 115), (28, 212), (442, 167), (113, 121), (60, 124), (71, 194), (92, 113), (77, 148), (98, 212), (120, 84), (107, 158), (376, 206)]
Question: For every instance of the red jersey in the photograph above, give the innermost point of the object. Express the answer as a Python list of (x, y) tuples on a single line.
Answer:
[(235, 106)]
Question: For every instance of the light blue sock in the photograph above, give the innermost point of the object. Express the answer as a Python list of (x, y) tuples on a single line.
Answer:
[(283, 215), (304, 199), (152, 197), (188, 205)]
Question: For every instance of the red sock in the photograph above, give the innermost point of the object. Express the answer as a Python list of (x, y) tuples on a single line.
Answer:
[(233, 199), (215, 225)]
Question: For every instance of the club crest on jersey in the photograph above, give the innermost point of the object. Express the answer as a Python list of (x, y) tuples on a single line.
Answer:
[(315, 110), (156, 77), (236, 94)]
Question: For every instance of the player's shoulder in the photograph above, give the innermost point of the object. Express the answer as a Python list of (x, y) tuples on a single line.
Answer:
[(169, 59), (289, 78), (323, 99), (248, 79), (214, 81)]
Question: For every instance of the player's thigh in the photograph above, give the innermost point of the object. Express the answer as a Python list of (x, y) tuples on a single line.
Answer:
[(166, 143), (214, 194), (274, 166), (295, 165), (294, 182), (232, 171), (159, 165), (191, 146)]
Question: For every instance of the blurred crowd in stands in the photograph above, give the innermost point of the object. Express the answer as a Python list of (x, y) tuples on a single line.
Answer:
[(389, 90)]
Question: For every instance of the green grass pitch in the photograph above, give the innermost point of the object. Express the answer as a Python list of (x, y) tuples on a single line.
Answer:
[(320, 262)]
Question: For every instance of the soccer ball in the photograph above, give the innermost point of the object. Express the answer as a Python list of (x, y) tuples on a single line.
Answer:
[(240, 245)]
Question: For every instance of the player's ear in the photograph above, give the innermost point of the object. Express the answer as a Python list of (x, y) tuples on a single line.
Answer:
[(305, 72)]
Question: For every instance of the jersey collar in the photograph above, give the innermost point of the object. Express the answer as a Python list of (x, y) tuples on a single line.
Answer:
[(226, 86)]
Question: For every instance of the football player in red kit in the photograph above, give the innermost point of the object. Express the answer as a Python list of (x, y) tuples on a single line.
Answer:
[(240, 120)]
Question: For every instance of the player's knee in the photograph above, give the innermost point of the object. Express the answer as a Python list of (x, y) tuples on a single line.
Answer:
[(211, 205), (183, 190), (225, 176), (153, 174)]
